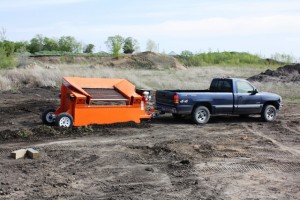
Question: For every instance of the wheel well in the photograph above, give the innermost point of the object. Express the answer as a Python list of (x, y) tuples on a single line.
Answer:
[(206, 104), (273, 103)]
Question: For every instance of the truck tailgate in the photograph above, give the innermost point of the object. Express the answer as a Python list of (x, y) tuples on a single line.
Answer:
[(165, 97)]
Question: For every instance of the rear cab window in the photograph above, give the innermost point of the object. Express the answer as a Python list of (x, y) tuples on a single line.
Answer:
[(221, 85)]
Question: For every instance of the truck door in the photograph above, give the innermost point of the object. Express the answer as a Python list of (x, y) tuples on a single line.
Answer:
[(222, 96), (248, 101)]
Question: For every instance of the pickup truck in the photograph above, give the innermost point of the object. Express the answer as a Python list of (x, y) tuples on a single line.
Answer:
[(229, 96)]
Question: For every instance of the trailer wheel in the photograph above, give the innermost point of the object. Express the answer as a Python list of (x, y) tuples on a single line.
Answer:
[(64, 120), (201, 115), (47, 117), (269, 113)]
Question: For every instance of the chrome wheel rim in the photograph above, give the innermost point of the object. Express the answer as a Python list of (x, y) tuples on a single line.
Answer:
[(201, 116), (270, 114), (65, 122)]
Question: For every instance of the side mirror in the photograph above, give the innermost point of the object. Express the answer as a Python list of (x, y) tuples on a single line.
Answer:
[(253, 92)]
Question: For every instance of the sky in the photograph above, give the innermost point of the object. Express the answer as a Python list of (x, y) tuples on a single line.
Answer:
[(263, 27)]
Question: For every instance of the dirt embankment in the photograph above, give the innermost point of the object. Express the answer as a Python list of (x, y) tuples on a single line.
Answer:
[(144, 60), (287, 73)]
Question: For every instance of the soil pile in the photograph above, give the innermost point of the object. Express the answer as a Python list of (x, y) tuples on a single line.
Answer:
[(144, 60), (287, 73)]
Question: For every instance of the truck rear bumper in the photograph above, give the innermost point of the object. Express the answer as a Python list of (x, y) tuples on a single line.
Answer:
[(182, 109)]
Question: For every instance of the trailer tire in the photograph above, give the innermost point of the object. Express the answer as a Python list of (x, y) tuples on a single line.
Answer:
[(64, 120), (268, 113), (47, 116), (201, 115)]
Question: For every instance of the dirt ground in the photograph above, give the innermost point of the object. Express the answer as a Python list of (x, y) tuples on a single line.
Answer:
[(228, 158)]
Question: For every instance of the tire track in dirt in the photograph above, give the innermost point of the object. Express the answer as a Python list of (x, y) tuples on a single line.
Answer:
[(255, 131), (227, 167)]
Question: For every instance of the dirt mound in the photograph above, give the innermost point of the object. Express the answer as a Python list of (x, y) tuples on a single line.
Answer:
[(287, 73), (144, 60)]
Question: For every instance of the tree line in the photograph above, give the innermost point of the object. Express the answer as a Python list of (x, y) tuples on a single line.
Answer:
[(116, 45), (69, 44)]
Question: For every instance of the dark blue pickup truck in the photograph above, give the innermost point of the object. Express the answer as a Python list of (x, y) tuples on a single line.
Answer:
[(225, 96)]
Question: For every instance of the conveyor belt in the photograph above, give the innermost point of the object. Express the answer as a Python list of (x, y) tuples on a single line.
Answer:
[(104, 94)]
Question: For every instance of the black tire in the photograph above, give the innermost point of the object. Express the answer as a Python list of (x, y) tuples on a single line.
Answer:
[(64, 120), (201, 115), (269, 113), (177, 116), (47, 117)]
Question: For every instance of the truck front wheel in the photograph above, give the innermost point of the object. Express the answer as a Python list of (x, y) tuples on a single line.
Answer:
[(269, 113), (201, 115)]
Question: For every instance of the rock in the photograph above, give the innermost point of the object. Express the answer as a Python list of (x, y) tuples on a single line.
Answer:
[(32, 153), (18, 153)]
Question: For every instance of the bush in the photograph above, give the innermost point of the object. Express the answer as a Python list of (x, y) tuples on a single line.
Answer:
[(221, 58), (6, 61), (130, 45)]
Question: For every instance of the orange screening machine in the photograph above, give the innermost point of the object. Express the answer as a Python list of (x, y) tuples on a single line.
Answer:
[(85, 101)]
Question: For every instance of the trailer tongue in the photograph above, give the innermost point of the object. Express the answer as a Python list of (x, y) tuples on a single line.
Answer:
[(85, 101)]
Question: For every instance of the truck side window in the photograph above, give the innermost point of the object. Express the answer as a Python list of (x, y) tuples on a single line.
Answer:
[(244, 87)]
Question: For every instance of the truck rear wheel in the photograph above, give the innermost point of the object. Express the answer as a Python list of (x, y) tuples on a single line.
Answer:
[(64, 120), (201, 115), (269, 113)]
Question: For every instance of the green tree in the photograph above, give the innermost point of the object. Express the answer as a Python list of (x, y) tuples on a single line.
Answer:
[(21, 46), (69, 44), (114, 44), (36, 44), (89, 48), (50, 44), (7, 54), (9, 47), (130, 45)]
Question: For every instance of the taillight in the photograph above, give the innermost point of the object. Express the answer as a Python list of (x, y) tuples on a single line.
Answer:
[(176, 99), (144, 98)]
